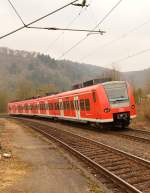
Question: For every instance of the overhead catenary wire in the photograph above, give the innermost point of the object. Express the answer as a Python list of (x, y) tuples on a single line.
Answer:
[(97, 25), (124, 35), (62, 33), (17, 13), (68, 29), (39, 19), (131, 56), (69, 24)]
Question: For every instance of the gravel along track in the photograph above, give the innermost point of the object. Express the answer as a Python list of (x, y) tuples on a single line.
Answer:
[(133, 134), (120, 171)]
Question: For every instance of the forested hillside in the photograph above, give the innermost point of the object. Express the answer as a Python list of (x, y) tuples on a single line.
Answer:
[(40, 69)]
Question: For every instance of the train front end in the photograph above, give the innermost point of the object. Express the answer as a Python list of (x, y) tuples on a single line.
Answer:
[(121, 102)]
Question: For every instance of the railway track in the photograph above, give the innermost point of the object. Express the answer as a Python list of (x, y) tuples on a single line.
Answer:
[(131, 134), (120, 171)]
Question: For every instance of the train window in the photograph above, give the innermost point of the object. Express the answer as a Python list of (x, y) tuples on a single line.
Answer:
[(94, 96), (46, 106), (87, 104), (38, 106), (60, 106), (82, 106), (64, 105), (42, 106), (57, 106), (50, 106), (71, 105), (68, 105), (35, 107), (20, 108)]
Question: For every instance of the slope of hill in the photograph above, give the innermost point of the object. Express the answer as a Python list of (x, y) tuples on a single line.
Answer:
[(41, 69), (138, 78), (16, 66)]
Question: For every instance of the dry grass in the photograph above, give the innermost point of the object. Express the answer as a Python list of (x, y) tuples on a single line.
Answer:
[(143, 110), (143, 115), (146, 110)]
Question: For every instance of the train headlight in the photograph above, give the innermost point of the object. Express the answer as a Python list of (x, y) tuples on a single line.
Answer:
[(133, 107), (107, 110)]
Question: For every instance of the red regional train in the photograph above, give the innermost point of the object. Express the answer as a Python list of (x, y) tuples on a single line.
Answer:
[(108, 102)]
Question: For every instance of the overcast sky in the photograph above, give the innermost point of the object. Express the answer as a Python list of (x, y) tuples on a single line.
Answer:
[(127, 31)]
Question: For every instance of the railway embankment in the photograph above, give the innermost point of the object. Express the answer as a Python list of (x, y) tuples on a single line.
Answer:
[(38, 165)]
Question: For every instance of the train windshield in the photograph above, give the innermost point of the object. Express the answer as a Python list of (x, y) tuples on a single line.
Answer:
[(116, 91)]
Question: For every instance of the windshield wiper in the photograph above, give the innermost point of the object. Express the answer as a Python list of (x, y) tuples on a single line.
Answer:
[(118, 99)]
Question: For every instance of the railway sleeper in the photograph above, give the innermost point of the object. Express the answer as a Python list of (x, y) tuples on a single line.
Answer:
[(135, 180), (125, 172), (115, 164)]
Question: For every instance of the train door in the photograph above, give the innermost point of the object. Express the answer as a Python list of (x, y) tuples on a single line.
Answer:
[(61, 108), (77, 107)]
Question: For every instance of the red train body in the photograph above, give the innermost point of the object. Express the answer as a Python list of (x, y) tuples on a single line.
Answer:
[(109, 102)]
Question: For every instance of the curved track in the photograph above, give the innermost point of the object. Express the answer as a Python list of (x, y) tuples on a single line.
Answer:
[(120, 171)]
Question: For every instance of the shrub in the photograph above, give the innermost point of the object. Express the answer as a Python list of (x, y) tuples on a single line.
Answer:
[(146, 110)]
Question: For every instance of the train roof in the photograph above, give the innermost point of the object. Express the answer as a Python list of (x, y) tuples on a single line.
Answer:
[(68, 93)]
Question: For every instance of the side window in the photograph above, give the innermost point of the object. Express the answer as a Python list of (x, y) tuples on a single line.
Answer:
[(64, 104), (94, 96), (60, 105), (42, 106), (87, 104), (46, 106), (38, 106), (55, 106), (82, 106), (71, 105), (50, 105), (68, 105)]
